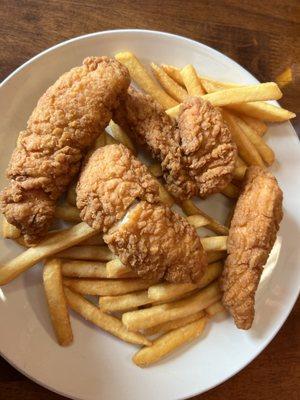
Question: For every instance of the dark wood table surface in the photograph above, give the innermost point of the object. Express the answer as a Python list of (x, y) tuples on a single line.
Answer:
[(261, 35)]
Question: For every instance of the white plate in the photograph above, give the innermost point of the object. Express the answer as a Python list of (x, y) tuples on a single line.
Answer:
[(98, 365)]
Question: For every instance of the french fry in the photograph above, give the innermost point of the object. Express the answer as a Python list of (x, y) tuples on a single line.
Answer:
[(57, 302), (100, 141), (93, 241), (236, 95), (95, 253), (215, 309), (46, 248), (240, 162), (155, 170), (115, 269), (104, 321), (71, 195), (164, 195), (104, 287), (197, 221), (174, 73), (285, 78), (171, 325), (167, 291), (67, 213), (83, 269), (9, 231), (148, 317), (246, 149), (124, 302), (190, 208), (139, 75), (231, 191), (214, 243), (191, 81), (259, 126), (171, 87), (213, 256), (239, 172), (266, 153), (121, 136), (168, 343), (110, 139)]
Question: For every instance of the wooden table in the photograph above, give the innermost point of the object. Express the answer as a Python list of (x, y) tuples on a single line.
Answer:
[(261, 35)]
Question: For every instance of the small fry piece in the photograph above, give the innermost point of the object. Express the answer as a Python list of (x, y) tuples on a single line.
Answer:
[(171, 325), (215, 309), (259, 126), (197, 221), (139, 75), (213, 256), (46, 248), (214, 243), (239, 172), (104, 321), (156, 170), (71, 195), (93, 241), (106, 287), (148, 317), (167, 291), (240, 162), (190, 208), (115, 269), (121, 136), (96, 253), (285, 78), (124, 302), (231, 191), (174, 73), (169, 342), (170, 86), (67, 213), (110, 139), (83, 269), (191, 81), (265, 111), (100, 141), (164, 195), (9, 231), (57, 302)]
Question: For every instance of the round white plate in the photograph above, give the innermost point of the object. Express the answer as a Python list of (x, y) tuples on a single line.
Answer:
[(98, 365)]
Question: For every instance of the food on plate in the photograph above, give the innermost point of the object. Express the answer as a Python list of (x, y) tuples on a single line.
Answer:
[(65, 123), (251, 237), (191, 81)]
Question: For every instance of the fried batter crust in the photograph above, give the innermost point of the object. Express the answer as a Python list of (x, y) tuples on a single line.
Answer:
[(252, 235), (109, 183), (157, 243), (64, 124)]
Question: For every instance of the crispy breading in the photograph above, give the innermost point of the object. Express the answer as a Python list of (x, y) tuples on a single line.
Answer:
[(197, 153), (64, 124), (109, 183), (251, 237), (157, 243)]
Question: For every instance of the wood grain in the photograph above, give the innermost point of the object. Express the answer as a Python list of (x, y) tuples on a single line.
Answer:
[(261, 35)]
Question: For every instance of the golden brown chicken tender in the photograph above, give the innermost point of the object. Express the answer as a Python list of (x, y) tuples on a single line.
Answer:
[(251, 237), (157, 243), (64, 124), (110, 182)]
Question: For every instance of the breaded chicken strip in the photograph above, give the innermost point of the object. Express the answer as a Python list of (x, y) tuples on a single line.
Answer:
[(64, 124), (157, 243), (111, 180), (251, 237), (197, 153)]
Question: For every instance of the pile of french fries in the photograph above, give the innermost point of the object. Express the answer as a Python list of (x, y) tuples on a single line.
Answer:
[(160, 317)]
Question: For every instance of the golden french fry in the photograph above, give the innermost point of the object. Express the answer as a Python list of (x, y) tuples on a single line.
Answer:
[(171, 325), (190, 208), (169, 342), (104, 287), (214, 243), (100, 141), (57, 302), (240, 162), (83, 269), (259, 126), (115, 269), (231, 191), (285, 78), (71, 195), (110, 139), (239, 172), (148, 317), (139, 75), (236, 95), (124, 302), (213, 256), (67, 213), (246, 149), (93, 241), (155, 170), (9, 231), (191, 81), (121, 136), (164, 195), (173, 73), (104, 321), (171, 87), (167, 291), (95, 253), (197, 221), (46, 248), (215, 309)]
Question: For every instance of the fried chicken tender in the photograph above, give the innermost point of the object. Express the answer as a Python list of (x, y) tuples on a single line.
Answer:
[(197, 153), (64, 124), (157, 243), (110, 182), (251, 237)]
